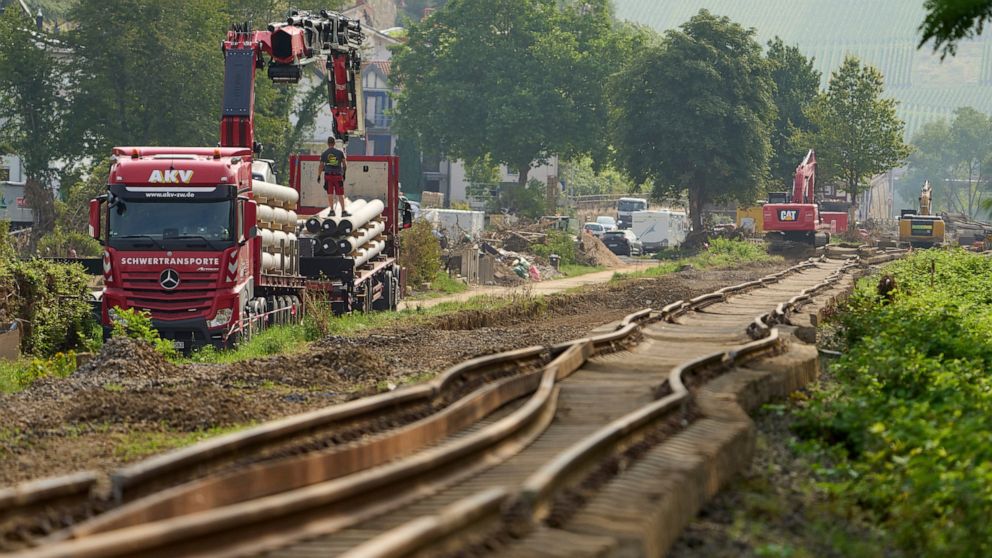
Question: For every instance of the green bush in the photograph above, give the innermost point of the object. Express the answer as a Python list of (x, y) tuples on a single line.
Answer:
[(137, 324), (18, 374), (50, 300), (557, 242), (909, 415), (420, 253), (59, 243)]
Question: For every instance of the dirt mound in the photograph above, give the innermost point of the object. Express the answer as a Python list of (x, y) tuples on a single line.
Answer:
[(594, 252), (328, 363), (124, 359)]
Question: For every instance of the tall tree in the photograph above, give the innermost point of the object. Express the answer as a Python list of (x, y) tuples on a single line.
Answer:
[(153, 74), (971, 137), (33, 109), (696, 112), (856, 131), (33, 104), (515, 80), (949, 21), (955, 158), (152, 71), (796, 86), (932, 159)]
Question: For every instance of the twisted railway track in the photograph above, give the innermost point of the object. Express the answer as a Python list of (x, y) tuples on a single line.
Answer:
[(529, 452)]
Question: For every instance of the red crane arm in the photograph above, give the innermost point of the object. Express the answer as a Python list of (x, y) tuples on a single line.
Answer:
[(302, 40), (804, 185)]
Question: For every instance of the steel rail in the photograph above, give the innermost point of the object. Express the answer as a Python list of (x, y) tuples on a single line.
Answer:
[(627, 330), (522, 511)]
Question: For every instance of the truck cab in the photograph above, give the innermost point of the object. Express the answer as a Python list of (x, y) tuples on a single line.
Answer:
[(626, 208), (177, 237)]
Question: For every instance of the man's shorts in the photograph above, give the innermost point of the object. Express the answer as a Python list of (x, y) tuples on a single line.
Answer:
[(334, 184)]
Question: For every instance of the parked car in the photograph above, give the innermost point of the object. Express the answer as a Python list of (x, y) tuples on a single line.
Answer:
[(623, 243), (609, 223), (595, 229)]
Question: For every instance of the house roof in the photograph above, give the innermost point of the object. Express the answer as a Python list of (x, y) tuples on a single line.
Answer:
[(382, 65)]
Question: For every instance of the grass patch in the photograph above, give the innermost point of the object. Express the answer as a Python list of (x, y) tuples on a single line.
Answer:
[(295, 338), (137, 444), (272, 341), (16, 375), (575, 270), (721, 253), (442, 285)]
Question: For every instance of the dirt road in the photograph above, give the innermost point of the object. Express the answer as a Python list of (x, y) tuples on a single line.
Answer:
[(538, 288)]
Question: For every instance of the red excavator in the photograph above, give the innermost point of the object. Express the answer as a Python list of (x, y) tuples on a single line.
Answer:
[(796, 219)]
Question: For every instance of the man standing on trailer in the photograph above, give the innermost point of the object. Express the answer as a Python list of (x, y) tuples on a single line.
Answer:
[(334, 165)]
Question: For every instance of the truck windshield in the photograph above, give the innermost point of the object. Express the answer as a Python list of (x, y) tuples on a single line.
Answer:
[(631, 205), (204, 225)]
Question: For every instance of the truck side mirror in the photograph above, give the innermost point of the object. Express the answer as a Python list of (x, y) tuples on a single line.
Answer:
[(249, 215), (96, 217)]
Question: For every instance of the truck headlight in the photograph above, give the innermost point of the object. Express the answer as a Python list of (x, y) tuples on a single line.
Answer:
[(222, 318)]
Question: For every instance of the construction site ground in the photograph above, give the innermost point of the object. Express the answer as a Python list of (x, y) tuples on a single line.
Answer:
[(128, 402)]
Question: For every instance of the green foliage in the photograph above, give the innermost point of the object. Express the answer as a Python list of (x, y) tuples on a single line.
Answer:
[(527, 201), (445, 284), (516, 80), (557, 242), (721, 253), (33, 104), (960, 151), (581, 179), (166, 89), (856, 131), (796, 86), (60, 242), (49, 300), (908, 415), (275, 340), (950, 21), (137, 324), (19, 374), (695, 113), (575, 270), (420, 253)]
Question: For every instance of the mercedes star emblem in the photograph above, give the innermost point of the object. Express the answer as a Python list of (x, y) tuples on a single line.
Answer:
[(169, 279)]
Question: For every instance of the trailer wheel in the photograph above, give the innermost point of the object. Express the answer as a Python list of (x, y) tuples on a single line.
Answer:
[(386, 301)]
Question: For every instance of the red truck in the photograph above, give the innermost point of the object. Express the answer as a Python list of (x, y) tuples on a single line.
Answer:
[(180, 231), (183, 227)]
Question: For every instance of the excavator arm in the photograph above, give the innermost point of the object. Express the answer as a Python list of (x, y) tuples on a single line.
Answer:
[(304, 39), (926, 193), (804, 185)]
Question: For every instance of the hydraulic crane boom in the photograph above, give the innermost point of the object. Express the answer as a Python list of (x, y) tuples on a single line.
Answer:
[(303, 39)]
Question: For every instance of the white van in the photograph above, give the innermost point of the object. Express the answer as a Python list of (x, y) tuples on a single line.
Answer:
[(661, 228)]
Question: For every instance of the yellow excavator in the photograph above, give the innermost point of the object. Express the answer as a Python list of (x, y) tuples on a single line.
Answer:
[(921, 228)]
